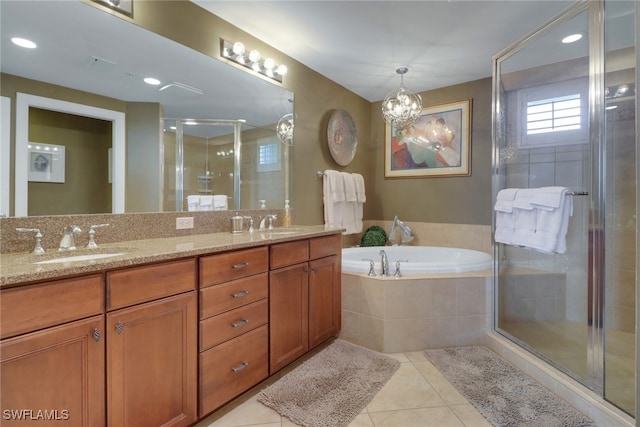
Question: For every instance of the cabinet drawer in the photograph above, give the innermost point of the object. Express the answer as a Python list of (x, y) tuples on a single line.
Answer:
[(232, 265), (29, 308), (141, 284), (289, 253), (218, 329), (227, 296), (324, 246), (232, 368)]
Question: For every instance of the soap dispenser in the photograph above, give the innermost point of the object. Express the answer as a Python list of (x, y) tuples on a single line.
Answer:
[(287, 221)]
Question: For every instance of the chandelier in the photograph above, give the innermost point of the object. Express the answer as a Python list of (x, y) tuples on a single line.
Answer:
[(284, 129), (401, 108)]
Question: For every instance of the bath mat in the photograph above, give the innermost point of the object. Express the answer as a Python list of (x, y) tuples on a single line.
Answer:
[(502, 393), (331, 388)]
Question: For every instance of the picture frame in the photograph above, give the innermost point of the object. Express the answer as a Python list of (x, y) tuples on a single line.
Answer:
[(46, 162), (437, 145)]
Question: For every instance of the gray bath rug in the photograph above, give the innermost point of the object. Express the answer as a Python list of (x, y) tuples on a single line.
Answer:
[(331, 388), (503, 394)]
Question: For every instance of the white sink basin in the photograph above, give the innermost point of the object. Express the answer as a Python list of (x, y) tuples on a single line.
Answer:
[(76, 258)]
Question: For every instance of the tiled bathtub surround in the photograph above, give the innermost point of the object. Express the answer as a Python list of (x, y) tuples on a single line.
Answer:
[(415, 313)]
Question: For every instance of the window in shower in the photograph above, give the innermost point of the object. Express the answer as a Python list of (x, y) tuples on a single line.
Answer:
[(553, 114)]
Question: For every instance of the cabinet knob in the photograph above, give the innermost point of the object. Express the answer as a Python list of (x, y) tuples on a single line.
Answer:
[(240, 294), (240, 323), (119, 328), (240, 367), (241, 265), (96, 334)]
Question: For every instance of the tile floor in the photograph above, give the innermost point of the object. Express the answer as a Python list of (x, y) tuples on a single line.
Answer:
[(417, 395)]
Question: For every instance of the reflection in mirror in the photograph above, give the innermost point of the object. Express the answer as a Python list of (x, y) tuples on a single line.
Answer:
[(90, 57)]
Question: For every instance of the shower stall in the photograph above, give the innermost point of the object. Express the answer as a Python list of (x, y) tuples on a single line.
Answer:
[(564, 114)]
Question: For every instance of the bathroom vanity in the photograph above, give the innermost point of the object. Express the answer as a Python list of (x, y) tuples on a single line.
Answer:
[(165, 333)]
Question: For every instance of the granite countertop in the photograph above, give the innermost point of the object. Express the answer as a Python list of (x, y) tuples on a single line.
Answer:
[(20, 268)]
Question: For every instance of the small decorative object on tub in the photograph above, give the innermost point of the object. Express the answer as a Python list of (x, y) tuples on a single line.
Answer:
[(374, 236)]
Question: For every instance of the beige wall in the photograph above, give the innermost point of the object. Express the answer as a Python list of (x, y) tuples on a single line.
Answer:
[(456, 200)]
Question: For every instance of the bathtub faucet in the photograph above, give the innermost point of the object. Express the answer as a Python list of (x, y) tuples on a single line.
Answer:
[(385, 263), (406, 235)]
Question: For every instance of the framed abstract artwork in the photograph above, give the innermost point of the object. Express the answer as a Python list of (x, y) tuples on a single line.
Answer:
[(437, 145)]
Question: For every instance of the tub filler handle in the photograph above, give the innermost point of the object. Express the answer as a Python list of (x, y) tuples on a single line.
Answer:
[(398, 274), (372, 271)]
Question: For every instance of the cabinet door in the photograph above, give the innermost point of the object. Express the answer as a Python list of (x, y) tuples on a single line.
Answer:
[(152, 363), (324, 299), (288, 315), (55, 376)]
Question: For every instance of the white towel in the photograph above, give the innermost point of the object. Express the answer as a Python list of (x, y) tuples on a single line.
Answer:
[(349, 213), (539, 219), (333, 198), (360, 199), (193, 203), (206, 203), (220, 202), (505, 219)]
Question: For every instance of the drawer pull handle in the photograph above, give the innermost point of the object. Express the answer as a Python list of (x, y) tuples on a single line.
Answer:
[(240, 294), (240, 323), (96, 334), (241, 367), (241, 265)]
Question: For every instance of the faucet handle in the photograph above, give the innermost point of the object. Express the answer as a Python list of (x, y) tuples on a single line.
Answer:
[(38, 249), (92, 236), (372, 271), (398, 274), (250, 223)]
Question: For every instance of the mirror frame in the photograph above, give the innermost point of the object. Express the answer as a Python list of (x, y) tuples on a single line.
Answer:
[(117, 119)]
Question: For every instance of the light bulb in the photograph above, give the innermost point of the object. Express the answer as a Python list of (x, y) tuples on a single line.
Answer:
[(282, 69), (254, 56), (269, 64), (238, 48)]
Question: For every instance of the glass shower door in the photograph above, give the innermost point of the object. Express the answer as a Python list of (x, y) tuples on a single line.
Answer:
[(564, 115), (543, 140)]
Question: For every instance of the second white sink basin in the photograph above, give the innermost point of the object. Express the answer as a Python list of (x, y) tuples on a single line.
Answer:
[(76, 258)]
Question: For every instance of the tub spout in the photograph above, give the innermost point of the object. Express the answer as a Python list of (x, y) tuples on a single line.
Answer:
[(406, 234), (385, 263)]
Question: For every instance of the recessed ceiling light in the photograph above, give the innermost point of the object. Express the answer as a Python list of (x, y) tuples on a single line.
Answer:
[(151, 81), (24, 43), (572, 38)]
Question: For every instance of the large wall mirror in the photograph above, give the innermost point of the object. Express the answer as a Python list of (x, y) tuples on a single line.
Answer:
[(88, 59)]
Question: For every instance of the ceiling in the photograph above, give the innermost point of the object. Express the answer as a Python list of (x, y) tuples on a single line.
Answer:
[(360, 44)]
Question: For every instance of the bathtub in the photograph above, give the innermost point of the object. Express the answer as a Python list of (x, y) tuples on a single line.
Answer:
[(419, 259), (443, 298)]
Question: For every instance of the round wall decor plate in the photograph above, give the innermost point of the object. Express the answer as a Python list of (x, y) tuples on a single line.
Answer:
[(342, 137)]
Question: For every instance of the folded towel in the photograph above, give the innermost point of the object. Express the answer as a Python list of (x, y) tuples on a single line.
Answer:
[(349, 213), (220, 202), (349, 187), (547, 198), (360, 191), (193, 203), (333, 198), (505, 200)]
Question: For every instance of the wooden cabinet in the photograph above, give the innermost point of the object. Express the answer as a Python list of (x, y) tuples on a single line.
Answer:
[(304, 297), (234, 344), (152, 346), (53, 374)]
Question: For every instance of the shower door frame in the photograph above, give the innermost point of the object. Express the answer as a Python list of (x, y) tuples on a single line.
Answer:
[(597, 147)]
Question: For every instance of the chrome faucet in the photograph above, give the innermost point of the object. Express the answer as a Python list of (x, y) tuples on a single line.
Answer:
[(385, 263), (68, 242), (263, 222), (406, 235)]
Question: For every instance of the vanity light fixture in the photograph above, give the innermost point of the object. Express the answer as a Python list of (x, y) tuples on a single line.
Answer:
[(252, 59), (401, 108)]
